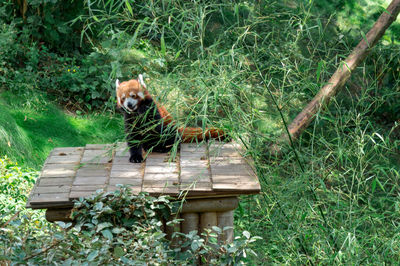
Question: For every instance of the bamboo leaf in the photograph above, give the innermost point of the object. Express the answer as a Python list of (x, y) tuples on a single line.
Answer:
[(129, 7), (163, 48)]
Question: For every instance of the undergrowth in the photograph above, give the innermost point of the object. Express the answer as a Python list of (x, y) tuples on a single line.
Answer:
[(109, 228)]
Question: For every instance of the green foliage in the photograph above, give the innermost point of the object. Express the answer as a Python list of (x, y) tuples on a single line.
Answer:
[(110, 228)]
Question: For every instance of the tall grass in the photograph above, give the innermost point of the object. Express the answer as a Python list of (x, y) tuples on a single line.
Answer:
[(239, 65)]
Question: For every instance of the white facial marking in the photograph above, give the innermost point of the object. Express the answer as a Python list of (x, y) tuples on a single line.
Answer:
[(130, 104), (123, 95), (131, 94), (117, 84), (119, 101), (141, 95)]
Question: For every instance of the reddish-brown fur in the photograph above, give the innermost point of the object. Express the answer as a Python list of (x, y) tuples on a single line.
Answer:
[(188, 134)]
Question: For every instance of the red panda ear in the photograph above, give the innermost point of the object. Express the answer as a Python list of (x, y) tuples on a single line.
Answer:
[(141, 82), (117, 83)]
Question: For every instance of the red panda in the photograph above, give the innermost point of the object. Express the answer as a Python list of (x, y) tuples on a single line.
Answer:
[(148, 124)]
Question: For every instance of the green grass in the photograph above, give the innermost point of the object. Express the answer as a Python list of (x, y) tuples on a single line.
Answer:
[(31, 127)]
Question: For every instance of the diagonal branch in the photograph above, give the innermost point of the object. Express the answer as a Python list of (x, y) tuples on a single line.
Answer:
[(339, 78)]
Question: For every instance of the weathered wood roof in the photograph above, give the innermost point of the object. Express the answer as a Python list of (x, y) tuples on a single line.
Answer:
[(198, 170)]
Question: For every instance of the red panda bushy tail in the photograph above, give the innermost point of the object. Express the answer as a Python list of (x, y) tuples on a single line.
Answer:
[(190, 134)]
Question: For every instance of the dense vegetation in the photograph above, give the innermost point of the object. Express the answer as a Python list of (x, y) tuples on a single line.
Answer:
[(332, 198)]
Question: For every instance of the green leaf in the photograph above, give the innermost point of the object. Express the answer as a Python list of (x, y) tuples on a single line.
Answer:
[(163, 48), (103, 225), (129, 7), (380, 184), (107, 234), (177, 55), (118, 252), (365, 38), (246, 234), (319, 68), (373, 185), (92, 255)]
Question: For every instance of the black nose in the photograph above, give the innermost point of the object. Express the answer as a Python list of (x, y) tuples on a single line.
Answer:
[(130, 106)]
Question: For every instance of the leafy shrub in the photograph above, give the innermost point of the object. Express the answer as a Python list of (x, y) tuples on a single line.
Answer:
[(110, 228)]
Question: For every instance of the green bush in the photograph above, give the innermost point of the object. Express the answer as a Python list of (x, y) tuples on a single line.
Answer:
[(109, 228)]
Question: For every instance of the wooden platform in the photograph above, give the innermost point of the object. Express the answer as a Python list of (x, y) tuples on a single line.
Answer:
[(214, 169)]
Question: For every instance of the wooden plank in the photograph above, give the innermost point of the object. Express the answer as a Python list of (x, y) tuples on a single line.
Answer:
[(96, 156), (66, 151), (195, 172), (196, 186), (162, 168), (241, 187), (158, 160), (193, 147), (221, 149), (160, 183), (126, 174), (80, 194), (91, 173), (127, 167), (160, 177), (234, 178), (190, 163), (53, 189), (162, 190), (190, 178), (228, 160), (69, 159), (97, 180), (122, 150), (123, 160), (92, 188), (41, 198), (134, 190), (99, 146), (57, 170), (53, 174), (49, 181), (126, 181), (241, 170), (93, 170)]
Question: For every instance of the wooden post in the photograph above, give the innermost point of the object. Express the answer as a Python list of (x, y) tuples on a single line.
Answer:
[(225, 219), (341, 75), (207, 220), (190, 222)]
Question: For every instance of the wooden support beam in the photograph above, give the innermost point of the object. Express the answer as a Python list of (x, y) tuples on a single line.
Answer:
[(63, 215), (210, 205)]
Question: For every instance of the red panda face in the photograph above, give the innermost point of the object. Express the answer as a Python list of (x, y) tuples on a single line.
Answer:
[(131, 93)]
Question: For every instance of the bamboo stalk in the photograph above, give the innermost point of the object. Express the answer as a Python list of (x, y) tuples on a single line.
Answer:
[(339, 78)]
